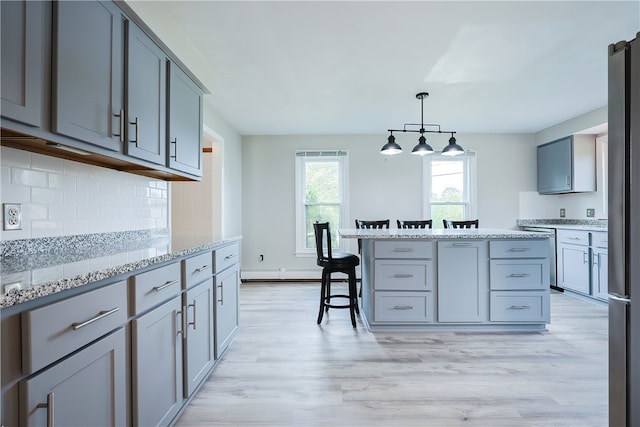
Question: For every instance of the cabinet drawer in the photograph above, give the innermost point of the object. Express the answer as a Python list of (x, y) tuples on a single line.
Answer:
[(403, 307), (508, 306), (400, 275), (403, 249), (574, 237), (197, 268), (225, 257), (520, 274), (600, 239), (519, 249), (51, 332), (153, 287)]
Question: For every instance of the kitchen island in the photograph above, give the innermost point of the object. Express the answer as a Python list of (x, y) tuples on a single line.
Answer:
[(456, 280)]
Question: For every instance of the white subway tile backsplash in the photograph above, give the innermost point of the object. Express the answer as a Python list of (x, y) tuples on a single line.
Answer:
[(61, 197)]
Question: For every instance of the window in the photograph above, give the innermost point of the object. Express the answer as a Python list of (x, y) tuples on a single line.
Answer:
[(321, 187), (449, 188)]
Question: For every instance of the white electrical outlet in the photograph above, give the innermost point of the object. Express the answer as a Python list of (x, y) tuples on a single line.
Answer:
[(12, 216)]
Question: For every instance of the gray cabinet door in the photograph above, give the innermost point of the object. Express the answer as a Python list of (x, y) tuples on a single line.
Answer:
[(227, 320), (185, 123), (88, 70), (555, 167), (146, 97), (87, 389), (22, 66), (462, 282), (574, 268), (157, 365), (600, 272), (198, 349)]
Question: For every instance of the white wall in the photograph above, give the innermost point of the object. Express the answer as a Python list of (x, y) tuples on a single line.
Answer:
[(379, 187), (62, 198)]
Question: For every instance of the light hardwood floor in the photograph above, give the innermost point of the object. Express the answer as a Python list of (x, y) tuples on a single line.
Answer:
[(284, 370)]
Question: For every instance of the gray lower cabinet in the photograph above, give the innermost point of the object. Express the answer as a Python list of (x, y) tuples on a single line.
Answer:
[(146, 97), (227, 287), (87, 389), (87, 80), (157, 364), (462, 281), (199, 335), (573, 260), (599, 265), (22, 61), (185, 122)]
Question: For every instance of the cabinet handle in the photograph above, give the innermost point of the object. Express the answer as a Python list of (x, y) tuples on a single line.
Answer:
[(519, 249), (403, 250), (519, 275), (221, 300), (403, 307), (49, 406), (573, 238), (78, 325), (519, 307), (166, 285), (461, 244), (595, 259), (182, 330), (121, 117), (402, 275), (194, 315), (137, 124), (201, 269), (228, 257), (585, 258), (175, 150)]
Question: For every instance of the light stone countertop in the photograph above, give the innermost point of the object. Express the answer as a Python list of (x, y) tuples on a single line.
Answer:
[(438, 233), (566, 224), (44, 267)]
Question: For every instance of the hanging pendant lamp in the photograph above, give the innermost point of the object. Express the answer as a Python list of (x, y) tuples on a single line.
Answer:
[(422, 148)]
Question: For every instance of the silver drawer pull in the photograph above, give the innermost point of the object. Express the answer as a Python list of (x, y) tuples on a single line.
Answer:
[(519, 249), (402, 275), (518, 275), (166, 285), (194, 315), (573, 238), (49, 406), (519, 307), (403, 307), (403, 250), (460, 244), (102, 314), (201, 269), (229, 256)]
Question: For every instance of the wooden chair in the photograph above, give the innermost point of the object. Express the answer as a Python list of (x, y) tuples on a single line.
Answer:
[(415, 224), (332, 262), (460, 224)]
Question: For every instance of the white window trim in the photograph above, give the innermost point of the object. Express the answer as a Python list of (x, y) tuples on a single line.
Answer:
[(471, 186), (343, 158)]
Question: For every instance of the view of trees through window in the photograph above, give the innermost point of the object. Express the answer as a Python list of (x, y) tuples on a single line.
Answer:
[(447, 191), (322, 197)]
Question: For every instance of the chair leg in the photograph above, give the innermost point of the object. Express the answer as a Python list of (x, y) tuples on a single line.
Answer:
[(323, 291), (353, 299), (327, 290)]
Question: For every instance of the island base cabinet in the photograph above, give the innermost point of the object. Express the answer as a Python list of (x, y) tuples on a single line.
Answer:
[(87, 389), (157, 365), (406, 307), (462, 281), (519, 306)]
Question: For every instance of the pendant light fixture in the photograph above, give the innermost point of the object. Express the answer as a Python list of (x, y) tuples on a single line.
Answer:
[(422, 148)]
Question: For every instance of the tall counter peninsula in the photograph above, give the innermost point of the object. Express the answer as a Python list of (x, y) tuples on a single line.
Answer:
[(454, 280)]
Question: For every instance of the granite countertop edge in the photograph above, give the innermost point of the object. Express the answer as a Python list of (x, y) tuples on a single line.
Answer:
[(440, 234), (568, 224), (15, 297)]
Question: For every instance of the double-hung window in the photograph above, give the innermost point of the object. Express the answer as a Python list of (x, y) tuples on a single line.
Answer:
[(321, 195), (449, 187)]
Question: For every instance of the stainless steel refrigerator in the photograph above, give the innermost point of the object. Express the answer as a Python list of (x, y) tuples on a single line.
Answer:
[(624, 233)]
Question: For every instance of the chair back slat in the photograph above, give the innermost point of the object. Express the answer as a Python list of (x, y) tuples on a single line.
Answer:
[(460, 224), (426, 223), (322, 234)]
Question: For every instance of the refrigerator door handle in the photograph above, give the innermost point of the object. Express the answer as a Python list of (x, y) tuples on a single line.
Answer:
[(620, 299)]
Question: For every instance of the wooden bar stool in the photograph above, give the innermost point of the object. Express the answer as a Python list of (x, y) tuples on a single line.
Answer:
[(335, 262)]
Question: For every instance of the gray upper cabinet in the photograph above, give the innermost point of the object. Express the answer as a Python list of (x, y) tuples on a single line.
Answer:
[(185, 122), (22, 61), (146, 97), (87, 72), (567, 165)]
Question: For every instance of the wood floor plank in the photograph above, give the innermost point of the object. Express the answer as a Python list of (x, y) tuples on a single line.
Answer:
[(284, 370)]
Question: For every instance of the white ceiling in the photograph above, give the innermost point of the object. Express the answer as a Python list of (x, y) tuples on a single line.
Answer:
[(352, 67)]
